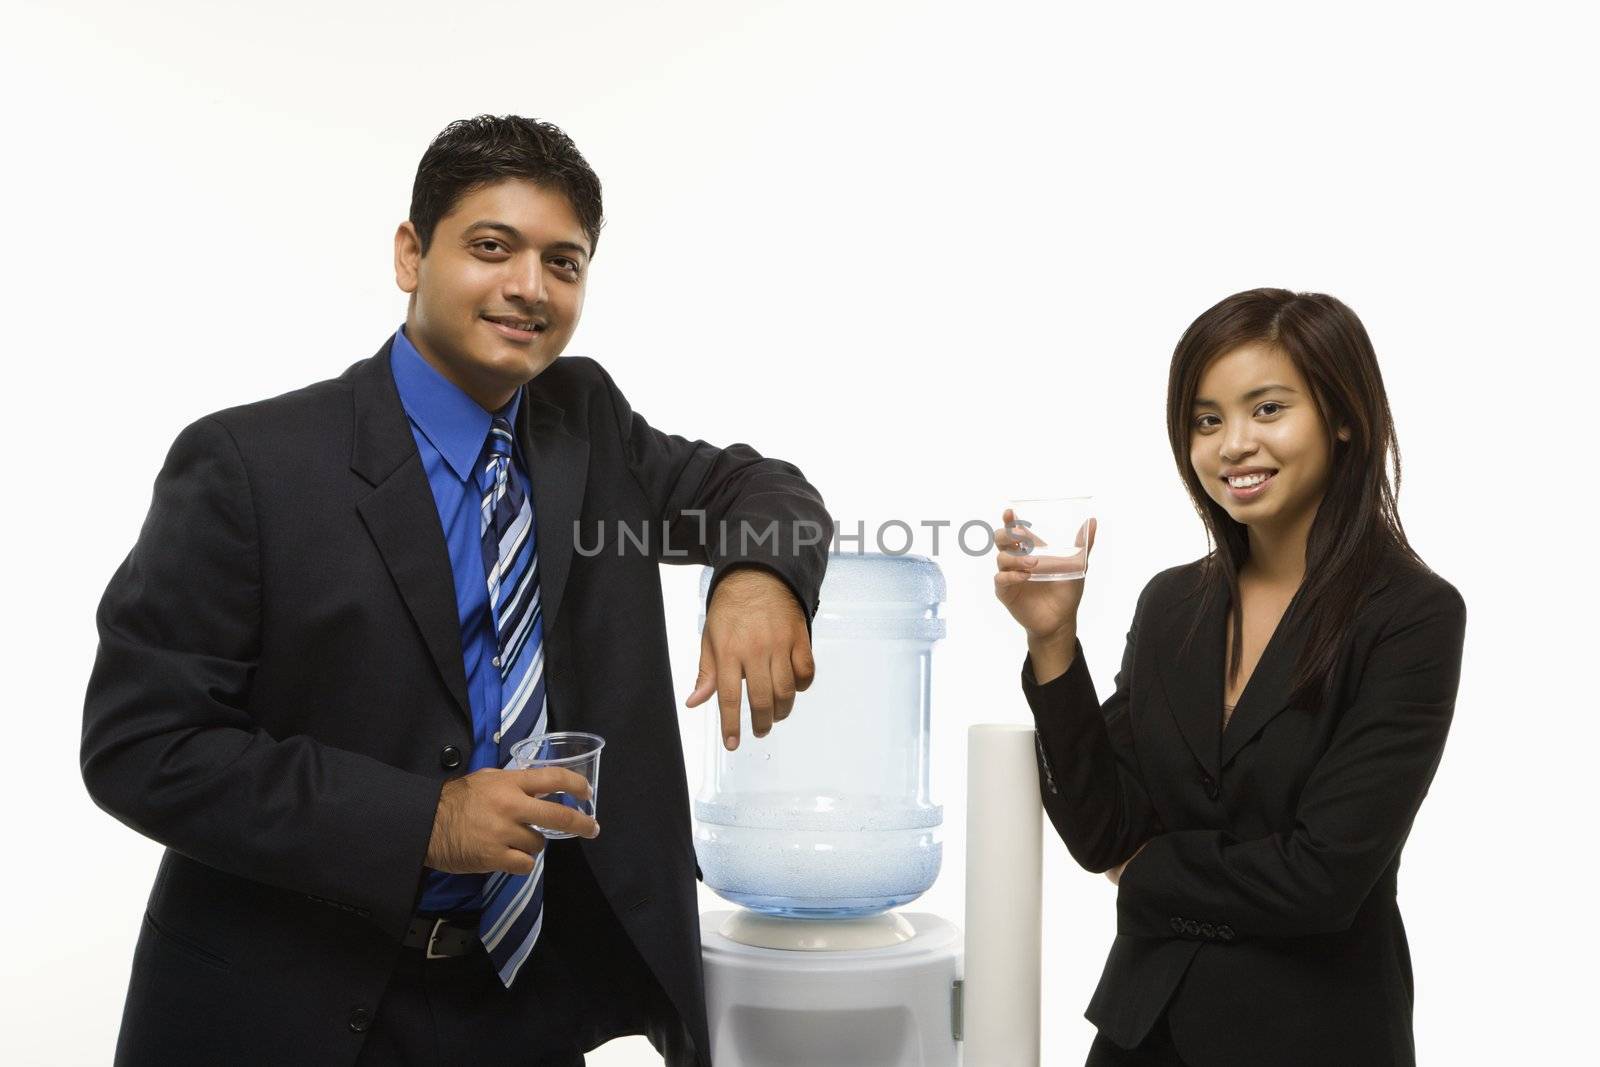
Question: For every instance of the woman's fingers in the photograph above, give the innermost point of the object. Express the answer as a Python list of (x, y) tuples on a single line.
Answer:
[(1012, 538), (1017, 539), (1009, 579), (1008, 535), (1016, 563)]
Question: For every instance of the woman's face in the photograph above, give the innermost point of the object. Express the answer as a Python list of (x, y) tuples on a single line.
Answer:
[(1256, 440)]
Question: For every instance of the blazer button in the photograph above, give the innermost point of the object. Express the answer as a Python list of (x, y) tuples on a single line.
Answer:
[(360, 1019), (450, 758), (1191, 928), (1044, 762), (1225, 932), (1210, 785), (1177, 925)]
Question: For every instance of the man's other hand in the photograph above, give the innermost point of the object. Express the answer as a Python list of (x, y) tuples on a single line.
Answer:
[(755, 631), (483, 820)]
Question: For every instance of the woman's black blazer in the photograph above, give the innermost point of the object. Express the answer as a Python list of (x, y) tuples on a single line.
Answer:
[(1261, 914)]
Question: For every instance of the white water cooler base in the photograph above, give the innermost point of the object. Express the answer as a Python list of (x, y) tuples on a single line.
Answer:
[(874, 1007)]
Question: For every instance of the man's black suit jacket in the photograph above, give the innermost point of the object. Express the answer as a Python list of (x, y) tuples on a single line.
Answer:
[(1262, 914), (279, 695)]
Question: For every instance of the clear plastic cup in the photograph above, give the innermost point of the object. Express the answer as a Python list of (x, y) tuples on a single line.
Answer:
[(570, 750), (1053, 529)]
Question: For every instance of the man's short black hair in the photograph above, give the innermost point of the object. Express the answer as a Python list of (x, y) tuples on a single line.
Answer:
[(471, 153)]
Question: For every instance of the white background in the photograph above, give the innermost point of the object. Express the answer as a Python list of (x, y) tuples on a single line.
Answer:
[(935, 255)]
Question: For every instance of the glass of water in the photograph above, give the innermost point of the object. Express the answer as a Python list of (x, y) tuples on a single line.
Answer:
[(569, 750), (1055, 530)]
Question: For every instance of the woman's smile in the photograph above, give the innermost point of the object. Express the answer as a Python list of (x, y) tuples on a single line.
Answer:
[(1248, 485)]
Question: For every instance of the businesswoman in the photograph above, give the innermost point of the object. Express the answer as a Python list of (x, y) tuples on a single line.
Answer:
[(1280, 710)]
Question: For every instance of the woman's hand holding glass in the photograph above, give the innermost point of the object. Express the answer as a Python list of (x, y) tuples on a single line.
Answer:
[(1046, 610)]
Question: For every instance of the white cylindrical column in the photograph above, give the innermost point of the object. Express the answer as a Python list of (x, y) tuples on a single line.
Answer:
[(1000, 989)]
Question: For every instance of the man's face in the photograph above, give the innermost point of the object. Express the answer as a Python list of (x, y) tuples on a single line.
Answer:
[(500, 291)]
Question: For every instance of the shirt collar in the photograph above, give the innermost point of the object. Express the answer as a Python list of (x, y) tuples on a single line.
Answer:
[(448, 417)]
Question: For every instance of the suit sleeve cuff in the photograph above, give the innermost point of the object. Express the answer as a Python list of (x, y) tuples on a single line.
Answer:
[(1071, 690), (723, 569), (1143, 910), (1059, 708)]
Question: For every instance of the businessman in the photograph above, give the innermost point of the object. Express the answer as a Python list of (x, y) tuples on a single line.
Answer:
[(345, 606)]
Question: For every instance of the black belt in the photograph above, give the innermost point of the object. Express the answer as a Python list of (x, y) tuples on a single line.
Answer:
[(443, 936)]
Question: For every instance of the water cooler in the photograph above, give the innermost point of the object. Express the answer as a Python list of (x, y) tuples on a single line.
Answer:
[(819, 830)]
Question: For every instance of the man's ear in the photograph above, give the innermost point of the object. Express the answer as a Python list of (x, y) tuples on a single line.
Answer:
[(407, 257)]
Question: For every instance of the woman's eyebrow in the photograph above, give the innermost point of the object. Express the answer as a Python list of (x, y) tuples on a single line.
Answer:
[(1251, 395)]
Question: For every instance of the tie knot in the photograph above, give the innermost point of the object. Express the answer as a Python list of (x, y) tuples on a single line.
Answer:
[(500, 437)]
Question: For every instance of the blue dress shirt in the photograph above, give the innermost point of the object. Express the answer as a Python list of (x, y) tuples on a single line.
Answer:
[(451, 431)]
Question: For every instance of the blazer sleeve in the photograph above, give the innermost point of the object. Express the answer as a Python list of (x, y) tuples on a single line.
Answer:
[(1089, 776), (169, 746), (727, 507), (1354, 813)]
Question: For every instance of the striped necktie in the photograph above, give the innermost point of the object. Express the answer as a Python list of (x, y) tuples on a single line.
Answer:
[(513, 905)]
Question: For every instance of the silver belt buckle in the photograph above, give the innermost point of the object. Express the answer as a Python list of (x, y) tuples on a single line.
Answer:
[(434, 936)]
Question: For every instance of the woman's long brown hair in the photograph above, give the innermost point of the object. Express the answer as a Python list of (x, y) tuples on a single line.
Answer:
[(1357, 528)]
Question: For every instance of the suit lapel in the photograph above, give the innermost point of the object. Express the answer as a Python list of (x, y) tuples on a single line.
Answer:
[(1267, 692), (1193, 675), (403, 520), (1191, 670), (558, 470)]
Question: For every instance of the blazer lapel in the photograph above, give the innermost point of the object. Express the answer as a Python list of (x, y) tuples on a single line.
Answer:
[(1267, 692), (558, 470), (1191, 671), (403, 520), (1193, 676)]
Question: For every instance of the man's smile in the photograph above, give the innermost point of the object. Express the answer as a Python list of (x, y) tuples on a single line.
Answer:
[(514, 328)]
